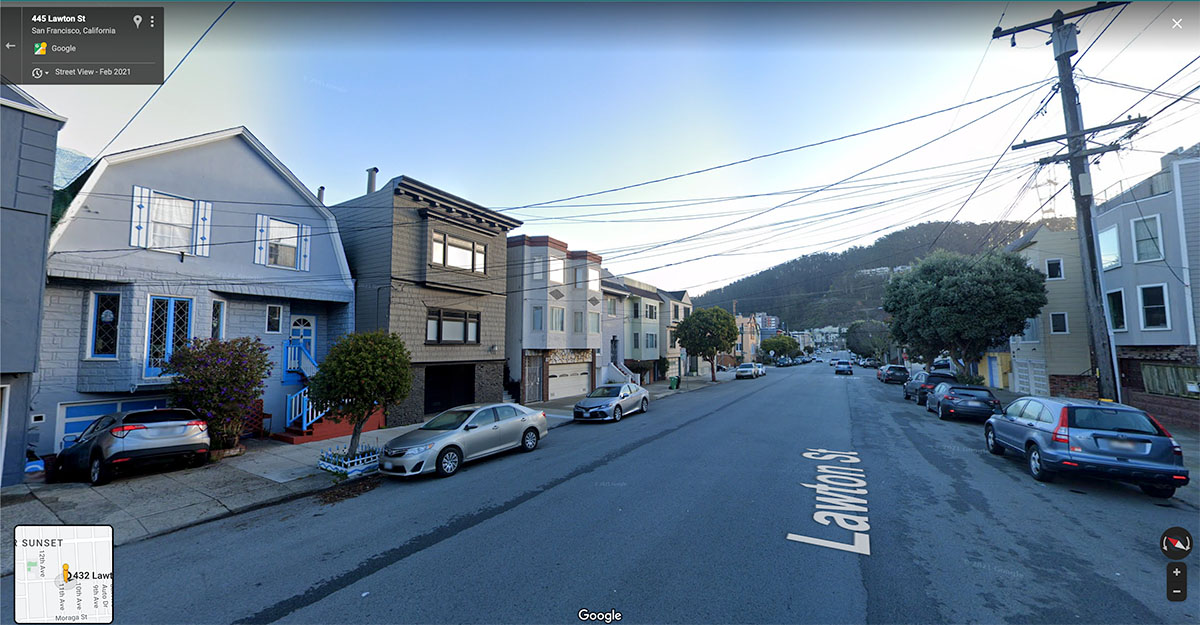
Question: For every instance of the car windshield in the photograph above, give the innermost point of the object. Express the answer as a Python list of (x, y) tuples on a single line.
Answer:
[(844, 362), (1111, 419), (745, 366), (972, 392), (605, 391), (448, 420)]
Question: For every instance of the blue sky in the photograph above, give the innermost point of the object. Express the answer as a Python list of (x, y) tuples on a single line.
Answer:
[(508, 105)]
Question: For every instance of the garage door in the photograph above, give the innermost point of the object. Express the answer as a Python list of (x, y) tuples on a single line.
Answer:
[(1030, 377), (74, 418), (568, 380)]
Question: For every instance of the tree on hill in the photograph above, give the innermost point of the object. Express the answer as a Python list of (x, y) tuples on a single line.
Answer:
[(706, 333)]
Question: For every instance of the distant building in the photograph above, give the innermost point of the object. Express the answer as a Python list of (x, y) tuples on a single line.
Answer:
[(747, 346)]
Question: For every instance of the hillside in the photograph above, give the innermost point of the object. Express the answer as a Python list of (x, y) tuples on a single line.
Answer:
[(828, 289)]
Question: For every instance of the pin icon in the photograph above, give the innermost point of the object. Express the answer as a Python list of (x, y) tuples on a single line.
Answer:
[(137, 21)]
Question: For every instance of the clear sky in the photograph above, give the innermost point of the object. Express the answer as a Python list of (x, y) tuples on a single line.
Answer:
[(515, 104)]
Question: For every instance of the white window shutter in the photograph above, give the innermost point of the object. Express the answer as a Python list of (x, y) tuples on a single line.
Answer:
[(260, 240), (305, 236), (202, 231), (139, 218)]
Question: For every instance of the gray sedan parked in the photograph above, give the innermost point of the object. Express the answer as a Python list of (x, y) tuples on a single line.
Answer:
[(132, 437), (609, 402), (460, 434)]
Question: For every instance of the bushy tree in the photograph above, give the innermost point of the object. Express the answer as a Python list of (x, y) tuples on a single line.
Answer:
[(362, 373), (706, 333), (868, 337), (781, 344), (219, 380), (962, 304)]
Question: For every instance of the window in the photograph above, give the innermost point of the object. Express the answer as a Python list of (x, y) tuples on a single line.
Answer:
[(539, 267), (675, 312), (1054, 269), (1058, 323), (593, 279), (577, 318), (487, 416), (671, 340), (459, 253), (1147, 239), (635, 340), (594, 323), (505, 412), (274, 318), (170, 327), (651, 312), (557, 318), (449, 251), (106, 320), (283, 239), (686, 311), (611, 303), (451, 326), (438, 255), (1116, 310), (1152, 300), (636, 309), (556, 270), (218, 319), (651, 341), (1033, 331), (480, 258), (1110, 248), (580, 277), (171, 222), (538, 321)]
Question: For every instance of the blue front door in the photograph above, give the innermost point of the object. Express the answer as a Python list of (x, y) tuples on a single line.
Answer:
[(304, 328), (993, 372)]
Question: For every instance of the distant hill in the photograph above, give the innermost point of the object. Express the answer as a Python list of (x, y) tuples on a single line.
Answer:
[(835, 289), (67, 164)]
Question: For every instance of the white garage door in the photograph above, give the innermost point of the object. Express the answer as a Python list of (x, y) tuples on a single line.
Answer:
[(1030, 377), (568, 380)]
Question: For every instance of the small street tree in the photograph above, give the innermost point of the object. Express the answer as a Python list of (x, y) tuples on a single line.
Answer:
[(362, 373), (706, 333), (868, 337), (781, 344), (219, 381)]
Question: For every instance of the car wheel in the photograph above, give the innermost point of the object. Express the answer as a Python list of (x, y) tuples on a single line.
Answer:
[(941, 412), (529, 440), (448, 462), (906, 395), (922, 399), (199, 460), (989, 438), (1158, 492), (99, 473), (616, 413), (928, 406), (1039, 472), (645, 404)]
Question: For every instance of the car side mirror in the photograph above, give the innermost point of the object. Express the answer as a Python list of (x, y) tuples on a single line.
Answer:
[(70, 439), (624, 395), (468, 427)]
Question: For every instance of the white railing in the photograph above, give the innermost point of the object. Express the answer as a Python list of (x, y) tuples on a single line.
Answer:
[(296, 358), (299, 408)]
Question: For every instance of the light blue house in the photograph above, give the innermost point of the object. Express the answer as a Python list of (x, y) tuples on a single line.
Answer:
[(208, 236)]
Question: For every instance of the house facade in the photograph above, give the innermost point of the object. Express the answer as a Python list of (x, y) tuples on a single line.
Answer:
[(613, 319), (205, 237), (643, 332), (746, 349), (1053, 355), (430, 267), (29, 135), (676, 306), (554, 306), (1148, 240)]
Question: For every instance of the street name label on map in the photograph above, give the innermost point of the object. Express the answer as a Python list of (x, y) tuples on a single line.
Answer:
[(63, 573), (840, 499)]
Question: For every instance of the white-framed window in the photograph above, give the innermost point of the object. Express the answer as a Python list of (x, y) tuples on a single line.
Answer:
[(651, 312), (456, 253), (539, 267), (451, 326), (687, 311), (556, 270), (577, 322), (218, 319), (105, 321), (539, 321), (1054, 269), (593, 323), (1155, 304), (1058, 323), (283, 244), (1033, 331), (651, 341), (558, 319), (274, 319), (580, 277), (1116, 310), (1109, 242), (593, 279), (675, 312), (635, 340), (168, 327), (171, 221), (1147, 239), (611, 304)]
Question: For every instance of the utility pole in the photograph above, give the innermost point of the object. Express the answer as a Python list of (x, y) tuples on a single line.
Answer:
[(1065, 46)]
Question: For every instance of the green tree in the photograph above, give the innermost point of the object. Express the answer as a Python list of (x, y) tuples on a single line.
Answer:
[(962, 304), (868, 337), (219, 381), (706, 333), (781, 344), (362, 373)]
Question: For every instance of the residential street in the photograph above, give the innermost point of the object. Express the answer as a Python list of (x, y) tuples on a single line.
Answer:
[(682, 515)]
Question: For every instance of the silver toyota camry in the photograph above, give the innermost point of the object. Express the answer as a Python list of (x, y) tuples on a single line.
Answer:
[(460, 434), (609, 402)]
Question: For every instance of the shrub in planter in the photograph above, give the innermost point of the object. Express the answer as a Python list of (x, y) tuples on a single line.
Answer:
[(219, 380)]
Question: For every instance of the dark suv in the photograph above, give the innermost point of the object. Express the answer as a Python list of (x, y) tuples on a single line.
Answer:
[(892, 373), (1102, 439), (922, 382)]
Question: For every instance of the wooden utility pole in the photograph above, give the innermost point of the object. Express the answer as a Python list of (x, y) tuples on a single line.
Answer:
[(1065, 46)]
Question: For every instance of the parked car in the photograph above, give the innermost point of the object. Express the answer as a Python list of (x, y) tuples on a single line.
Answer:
[(126, 438), (959, 400), (833, 362), (609, 402), (818, 359), (746, 370), (891, 373), (461, 434), (1097, 438), (762, 369), (922, 382)]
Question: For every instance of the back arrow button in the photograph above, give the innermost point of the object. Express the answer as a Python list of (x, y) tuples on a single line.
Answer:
[(9, 45)]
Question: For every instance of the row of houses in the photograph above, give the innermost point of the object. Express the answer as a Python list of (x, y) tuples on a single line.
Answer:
[(213, 237)]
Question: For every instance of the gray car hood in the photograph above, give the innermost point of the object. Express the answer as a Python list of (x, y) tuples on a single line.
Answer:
[(417, 437), (595, 402)]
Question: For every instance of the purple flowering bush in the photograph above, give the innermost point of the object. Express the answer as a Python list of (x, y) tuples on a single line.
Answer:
[(219, 381)]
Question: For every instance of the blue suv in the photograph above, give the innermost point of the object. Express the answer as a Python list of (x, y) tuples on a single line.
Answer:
[(1097, 438)]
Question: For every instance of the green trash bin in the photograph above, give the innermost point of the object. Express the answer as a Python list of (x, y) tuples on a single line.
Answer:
[(674, 382)]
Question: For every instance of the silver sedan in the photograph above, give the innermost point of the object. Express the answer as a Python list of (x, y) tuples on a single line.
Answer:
[(460, 434), (609, 402)]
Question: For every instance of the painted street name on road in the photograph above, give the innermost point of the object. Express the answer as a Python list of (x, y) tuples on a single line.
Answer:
[(836, 489)]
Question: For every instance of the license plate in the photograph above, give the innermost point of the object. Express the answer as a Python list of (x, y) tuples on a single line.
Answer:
[(387, 465), (1122, 445), (974, 403)]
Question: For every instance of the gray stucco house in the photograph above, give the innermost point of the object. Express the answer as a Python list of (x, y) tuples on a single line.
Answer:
[(430, 266), (29, 134), (208, 236), (1148, 239)]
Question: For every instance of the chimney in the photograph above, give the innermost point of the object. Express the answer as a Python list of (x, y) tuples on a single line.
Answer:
[(371, 179), (321, 195)]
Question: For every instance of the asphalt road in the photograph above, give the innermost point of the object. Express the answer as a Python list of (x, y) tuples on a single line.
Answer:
[(682, 515)]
